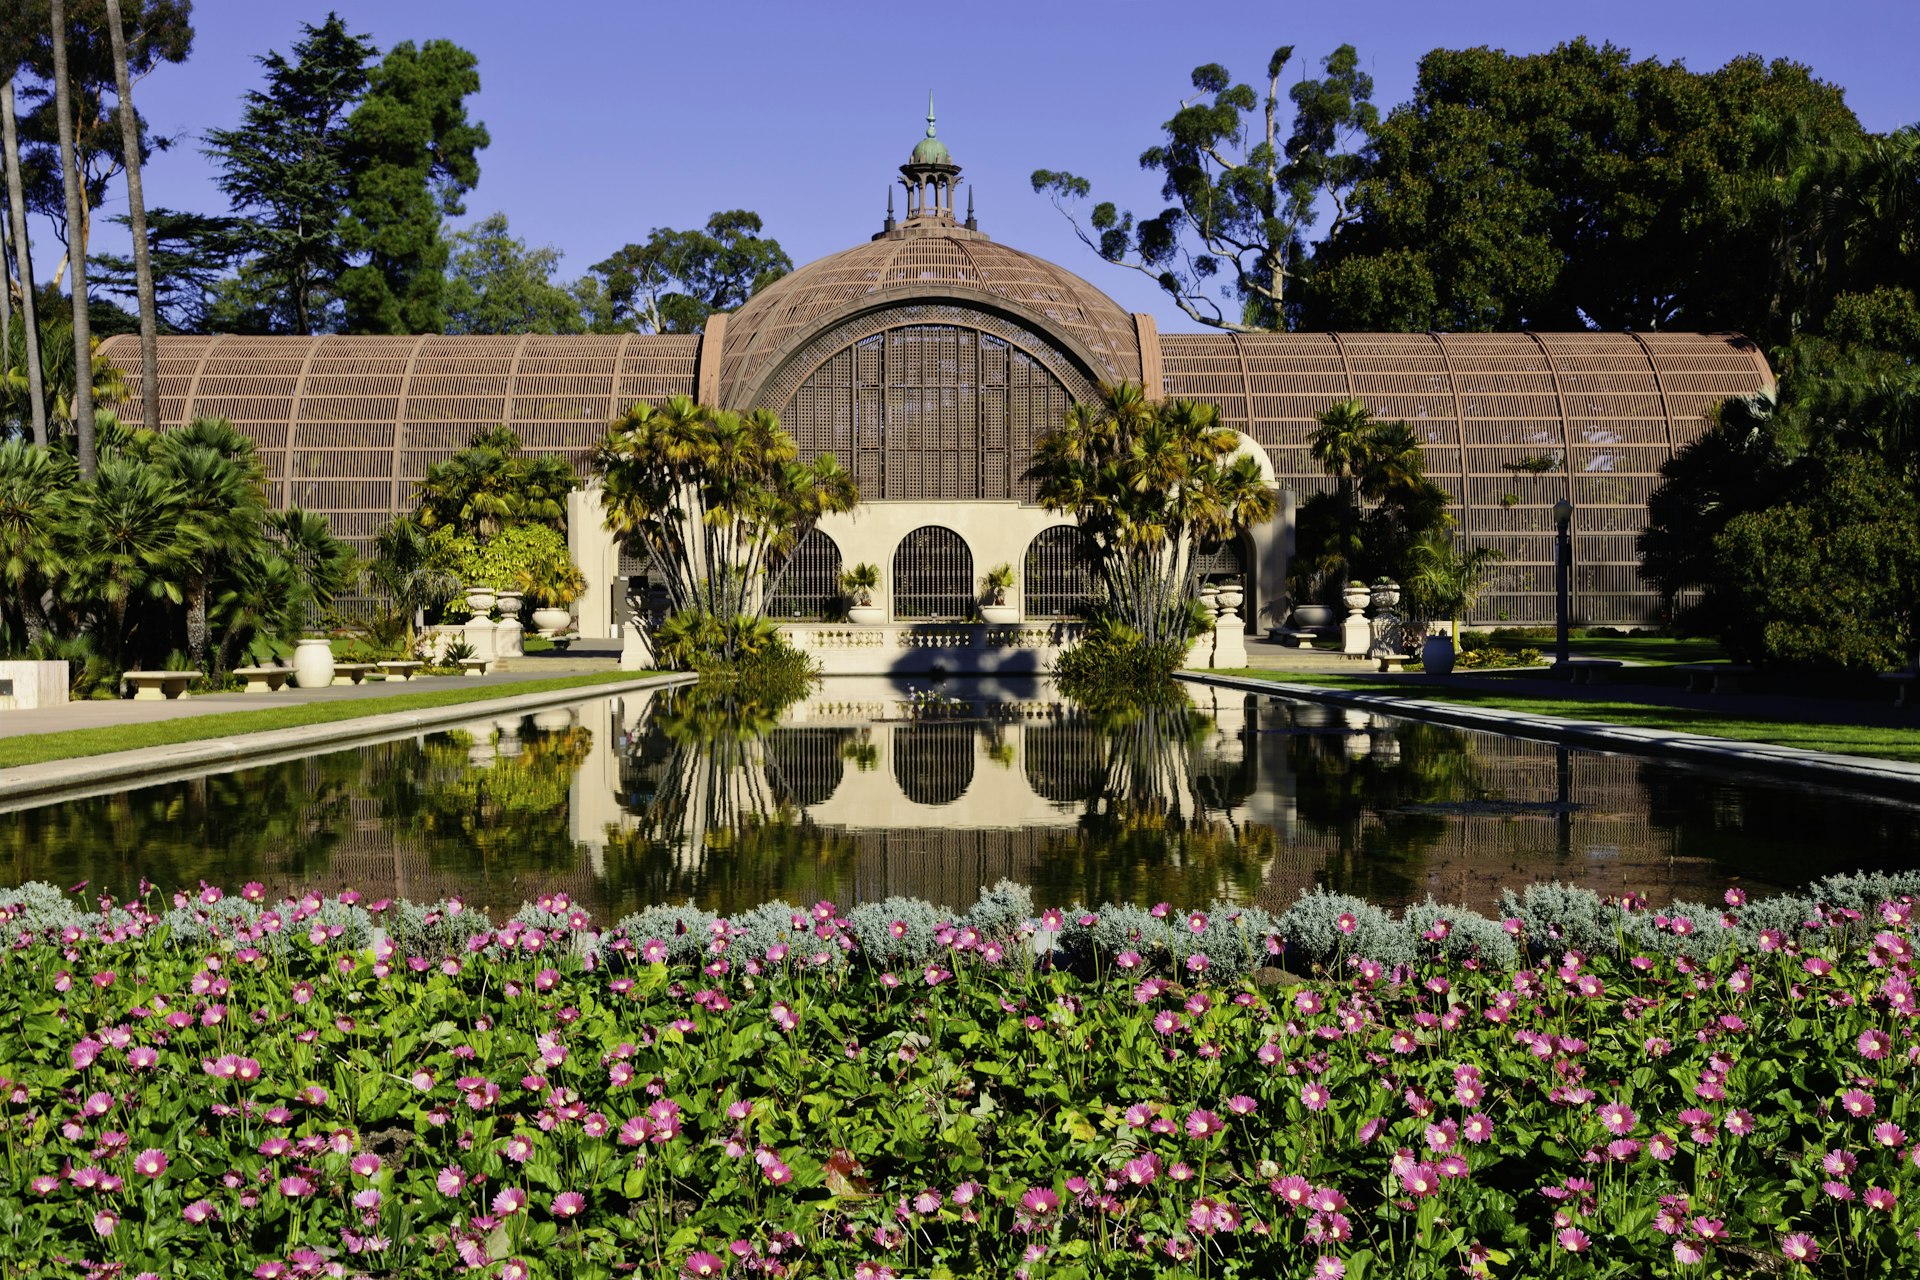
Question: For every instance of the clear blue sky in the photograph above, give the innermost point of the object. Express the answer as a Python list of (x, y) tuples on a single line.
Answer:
[(610, 117)]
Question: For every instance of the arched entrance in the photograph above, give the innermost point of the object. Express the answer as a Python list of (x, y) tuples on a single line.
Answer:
[(932, 576), (1059, 579), (809, 586)]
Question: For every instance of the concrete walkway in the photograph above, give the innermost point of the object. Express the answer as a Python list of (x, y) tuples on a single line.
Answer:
[(34, 784), (1890, 777), (102, 715)]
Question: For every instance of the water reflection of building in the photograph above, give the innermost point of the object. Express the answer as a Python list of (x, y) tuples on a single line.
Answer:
[(865, 790)]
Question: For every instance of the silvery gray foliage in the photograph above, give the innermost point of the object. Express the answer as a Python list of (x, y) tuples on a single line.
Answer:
[(1000, 911), (1469, 934), (1232, 938), (871, 924), (686, 930), (1313, 934), (766, 926), (434, 929), (42, 910), (1563, 915), (1864, 891)]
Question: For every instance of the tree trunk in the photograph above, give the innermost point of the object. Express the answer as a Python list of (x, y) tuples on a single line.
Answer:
[(198, 588), (70, 168), (137, 220), (23, 256)]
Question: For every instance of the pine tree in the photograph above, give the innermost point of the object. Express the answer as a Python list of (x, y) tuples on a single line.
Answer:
[(412, 155), (285, 169)]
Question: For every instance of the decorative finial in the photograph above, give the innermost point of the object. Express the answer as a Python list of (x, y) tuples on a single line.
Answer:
[(929, 113), (971, 224)]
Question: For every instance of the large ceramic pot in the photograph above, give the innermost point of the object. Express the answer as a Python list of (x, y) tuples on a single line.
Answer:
[(480, 600), (313, 663), (551, 620), (1436, 656), (1312, 617), (866, 614), (1000, 615)]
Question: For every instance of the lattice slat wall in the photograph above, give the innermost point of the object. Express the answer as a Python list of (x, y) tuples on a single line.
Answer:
[(777, 320), (1599, 411), (345, 425)]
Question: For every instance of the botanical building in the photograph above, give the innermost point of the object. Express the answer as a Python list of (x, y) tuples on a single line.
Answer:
[(930, 359)]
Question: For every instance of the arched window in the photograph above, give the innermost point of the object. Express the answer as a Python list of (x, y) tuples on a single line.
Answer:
[(1223, 560), (932, 576), (1059, 579), (809, 585), (930, 411)]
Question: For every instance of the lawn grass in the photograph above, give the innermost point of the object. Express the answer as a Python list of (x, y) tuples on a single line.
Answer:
[(38, 748), (1883, 742)]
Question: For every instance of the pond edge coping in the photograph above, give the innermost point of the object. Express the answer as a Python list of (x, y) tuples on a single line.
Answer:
[(29, 786), (1858, 773)]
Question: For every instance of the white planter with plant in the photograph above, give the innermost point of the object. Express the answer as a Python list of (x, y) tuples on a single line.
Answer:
[(860, 582), (995, 610)]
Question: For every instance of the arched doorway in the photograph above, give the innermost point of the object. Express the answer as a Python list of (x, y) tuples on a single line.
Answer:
[(932, 576), (809, 585), (1059, 580)]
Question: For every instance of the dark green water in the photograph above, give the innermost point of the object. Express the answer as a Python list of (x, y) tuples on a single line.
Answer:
[(859, 793)]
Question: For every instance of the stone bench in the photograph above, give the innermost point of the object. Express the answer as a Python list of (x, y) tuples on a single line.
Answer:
[(399, 670), (1292, 637), (263, 679), (475, 666), (1902, 685), (1589, 670), (1713, 677), (1393, 661), (351, 672), (153, 686)]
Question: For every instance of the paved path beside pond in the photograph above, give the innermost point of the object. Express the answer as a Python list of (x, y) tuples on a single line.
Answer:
[(1873, 709), (119, 711)]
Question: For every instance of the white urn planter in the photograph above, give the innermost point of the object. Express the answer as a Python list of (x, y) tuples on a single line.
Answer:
[(312, 663), (480, 600), (552, 620), (1436, 656), (1000, 615), (866, 615)]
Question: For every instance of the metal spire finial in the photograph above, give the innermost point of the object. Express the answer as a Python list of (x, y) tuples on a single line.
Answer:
[(929, 113)]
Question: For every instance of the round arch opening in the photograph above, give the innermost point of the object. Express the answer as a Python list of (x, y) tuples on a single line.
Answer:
[(933, 576), (1059, 580), (809, 583)]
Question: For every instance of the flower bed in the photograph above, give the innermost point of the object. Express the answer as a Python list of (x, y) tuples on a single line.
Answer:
[(335, 1088)]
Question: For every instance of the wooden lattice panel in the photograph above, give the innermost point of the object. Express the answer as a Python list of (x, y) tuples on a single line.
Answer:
[(1600, 412), (955, 264), (345, 425)]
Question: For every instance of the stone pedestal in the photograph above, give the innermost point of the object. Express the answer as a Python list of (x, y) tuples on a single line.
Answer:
[(1388, 629), (507, 632), (636, 651), (1356, 633), (25, 685), (1229, 632)]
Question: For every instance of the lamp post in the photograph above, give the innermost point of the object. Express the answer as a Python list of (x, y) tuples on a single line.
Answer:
[(1562, 573)]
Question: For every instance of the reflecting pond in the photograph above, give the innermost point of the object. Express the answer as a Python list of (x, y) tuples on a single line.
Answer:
[(869, 787)]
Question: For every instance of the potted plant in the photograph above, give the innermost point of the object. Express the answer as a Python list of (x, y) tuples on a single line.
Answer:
[(860, 582), (553, 583), (996, 610), (1447, 580)]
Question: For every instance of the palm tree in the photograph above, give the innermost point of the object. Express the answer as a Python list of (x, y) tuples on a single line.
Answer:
[(327, 565), (1446, 579), (403, 567), (1150, 484), (130, 538), (23, 261), (263, 604), (137, 224), (35, 487), (222, 503), (76, 217)]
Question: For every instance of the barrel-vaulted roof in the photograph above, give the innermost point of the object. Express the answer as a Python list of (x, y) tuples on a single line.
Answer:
[(917, 265)]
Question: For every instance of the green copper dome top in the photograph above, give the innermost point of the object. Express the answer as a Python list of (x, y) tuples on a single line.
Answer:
[(930, 149)]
